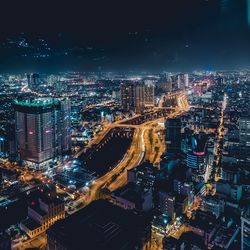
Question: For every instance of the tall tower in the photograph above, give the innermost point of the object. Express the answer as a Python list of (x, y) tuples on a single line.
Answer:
[(42, 130), (29, 80), (65, 113), (139, 98), (173, 135), (186, 80), (34, 81), (182, 81), (127, 93), (244, 125), (133, 97), (149, 93), (197, 156)]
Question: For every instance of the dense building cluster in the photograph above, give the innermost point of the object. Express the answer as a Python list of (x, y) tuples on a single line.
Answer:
[(125, 161)]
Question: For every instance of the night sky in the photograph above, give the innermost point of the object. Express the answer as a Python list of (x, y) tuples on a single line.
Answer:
[(171, 35)]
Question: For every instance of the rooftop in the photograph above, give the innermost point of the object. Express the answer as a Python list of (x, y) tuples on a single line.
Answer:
[(100, 225), (204, 221), (40, 102), (130, 192), (145, 167), (30, 224), (50, 200)]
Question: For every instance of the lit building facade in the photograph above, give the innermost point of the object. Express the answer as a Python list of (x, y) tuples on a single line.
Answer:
[(33, 80), (244, 125), (196, 157), (139, 98), (213, 205), (196, 160), (127, 93), (42, 215), (133, 97), (167, 204), (149, 93), (42, 130), (182, 81)]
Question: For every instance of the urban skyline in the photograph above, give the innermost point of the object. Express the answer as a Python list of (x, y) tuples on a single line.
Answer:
[(125, 127)]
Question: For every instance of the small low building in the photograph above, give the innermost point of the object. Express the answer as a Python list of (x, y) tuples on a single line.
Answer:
[(42, 214), (132, 196)]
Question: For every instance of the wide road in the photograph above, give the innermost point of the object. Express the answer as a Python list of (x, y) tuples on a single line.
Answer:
[(134, 156), (117, 177)]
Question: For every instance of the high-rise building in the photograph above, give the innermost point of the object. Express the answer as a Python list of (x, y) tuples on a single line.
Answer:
[(230, 173), (213, 205), (127, 94), (143, 175), (149, 93), (245, 231), (2, 146), (52, 79), (183, 188), (42, 130), (244, 125), (33, 80), (165, 84), (197, 156), (169, 85), (182, 81), (29, 80), (196, 160), (133, 97), (167, 204), (173, 135), (139, 98)]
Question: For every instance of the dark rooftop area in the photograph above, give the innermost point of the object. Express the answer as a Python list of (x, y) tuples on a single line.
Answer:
[(30, 224), (100, 225)]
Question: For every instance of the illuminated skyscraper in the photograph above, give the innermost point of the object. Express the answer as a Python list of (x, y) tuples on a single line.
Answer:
[(197, 156), (133, 97), (244, 125), (196, 161), (33, 80), (42, 130), (169, 85), (182, 81), (28, 80), (149, 93), (139, 98), (127, 93)]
